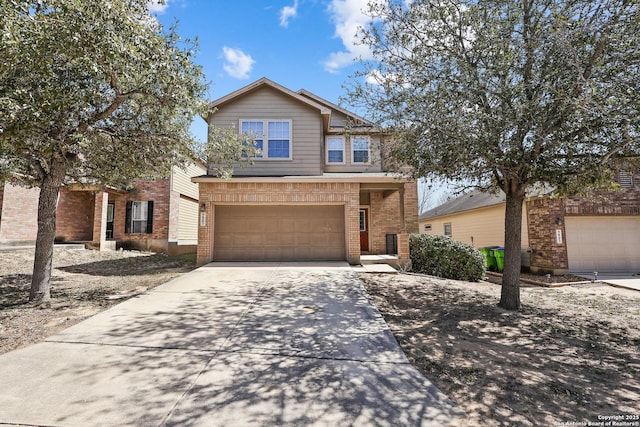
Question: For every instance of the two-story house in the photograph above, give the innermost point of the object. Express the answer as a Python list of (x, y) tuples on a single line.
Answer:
[(319, 189)]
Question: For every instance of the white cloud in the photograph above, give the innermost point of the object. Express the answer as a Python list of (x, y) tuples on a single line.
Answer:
[(287, 13), (349, 17), (237, 63), (374, 77), (157, 6)]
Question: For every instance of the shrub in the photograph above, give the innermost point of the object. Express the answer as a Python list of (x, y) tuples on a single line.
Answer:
[(444, 257)]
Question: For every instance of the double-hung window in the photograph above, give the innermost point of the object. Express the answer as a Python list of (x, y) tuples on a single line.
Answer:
[(335, 149), (273, 137), (139, 217), (360, 149), (256, 130)]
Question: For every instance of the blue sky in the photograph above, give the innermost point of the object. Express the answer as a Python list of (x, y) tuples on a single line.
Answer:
[(308, 44)]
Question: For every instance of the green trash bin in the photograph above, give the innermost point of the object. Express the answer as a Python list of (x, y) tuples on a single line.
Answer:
[(498, 253), (489, 259)]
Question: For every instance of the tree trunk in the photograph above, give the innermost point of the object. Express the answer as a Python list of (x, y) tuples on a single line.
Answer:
[(47, 207), (510, 295)]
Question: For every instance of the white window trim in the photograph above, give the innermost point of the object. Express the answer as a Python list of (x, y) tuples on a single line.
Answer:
[(344, 150), (368, 162), (265, 140), (144, 207)]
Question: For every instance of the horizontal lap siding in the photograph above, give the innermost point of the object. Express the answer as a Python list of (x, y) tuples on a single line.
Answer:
[(181, 180), (267, 103), (188, 219), (486, 225)]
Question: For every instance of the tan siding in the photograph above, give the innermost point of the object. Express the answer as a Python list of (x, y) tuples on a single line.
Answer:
[(486, 225), (374, 154), (307, 135), (338, 119), (181, 180), (188, 219)]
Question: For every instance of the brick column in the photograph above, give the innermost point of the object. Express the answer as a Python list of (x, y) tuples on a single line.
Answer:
[(404, 259), (205, 229), (410, 200)]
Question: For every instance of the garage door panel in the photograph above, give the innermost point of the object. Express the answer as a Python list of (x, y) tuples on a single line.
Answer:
[(274, 233), (605, 244)]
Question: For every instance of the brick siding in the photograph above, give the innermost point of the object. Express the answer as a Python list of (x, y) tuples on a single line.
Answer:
[(18, 213), (546, 215), (143, 191), (74, 221), (280, 193), (385, 215)]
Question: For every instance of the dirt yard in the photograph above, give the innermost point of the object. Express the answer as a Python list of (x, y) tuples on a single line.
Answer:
[(84, 282), (571, 355)]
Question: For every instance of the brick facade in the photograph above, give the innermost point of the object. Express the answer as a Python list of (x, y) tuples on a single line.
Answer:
[(385, 219), (546, 215), (74, 220), (225, 193), (384, 209), (546, 254), (18, 213), (143, 191)]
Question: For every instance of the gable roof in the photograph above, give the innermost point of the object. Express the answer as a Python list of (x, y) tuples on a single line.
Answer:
[(335, 107), (324, 107), (324, 110), (473, 200)]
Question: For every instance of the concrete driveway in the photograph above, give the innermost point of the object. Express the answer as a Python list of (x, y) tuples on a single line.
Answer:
[(227, 344), (620, 280)]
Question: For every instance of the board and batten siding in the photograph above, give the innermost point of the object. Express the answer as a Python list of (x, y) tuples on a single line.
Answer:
[(270, 104), (486, 225)]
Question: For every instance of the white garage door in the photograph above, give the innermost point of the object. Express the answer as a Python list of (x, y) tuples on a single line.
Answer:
[(279, 233), (603, 244)]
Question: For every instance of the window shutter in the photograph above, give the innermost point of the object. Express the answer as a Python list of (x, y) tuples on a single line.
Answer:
[(150, 216), (127, 221)]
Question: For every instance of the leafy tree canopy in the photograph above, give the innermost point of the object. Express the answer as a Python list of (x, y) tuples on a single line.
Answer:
[(505, 94), (97, 86), (91, 92)]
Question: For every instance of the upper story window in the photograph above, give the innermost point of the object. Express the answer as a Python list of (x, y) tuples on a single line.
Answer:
[(335, 149), (360, 149), (273, 137)]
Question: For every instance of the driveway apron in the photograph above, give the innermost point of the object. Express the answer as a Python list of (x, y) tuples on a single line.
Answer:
[(227, 344)]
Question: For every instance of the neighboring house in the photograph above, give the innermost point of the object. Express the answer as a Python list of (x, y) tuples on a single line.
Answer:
[(319, 190), (18, 213), (159, 216), (600, 233)]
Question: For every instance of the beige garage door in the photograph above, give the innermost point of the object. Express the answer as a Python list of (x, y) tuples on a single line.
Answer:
[(279, 233), (604, 244)]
